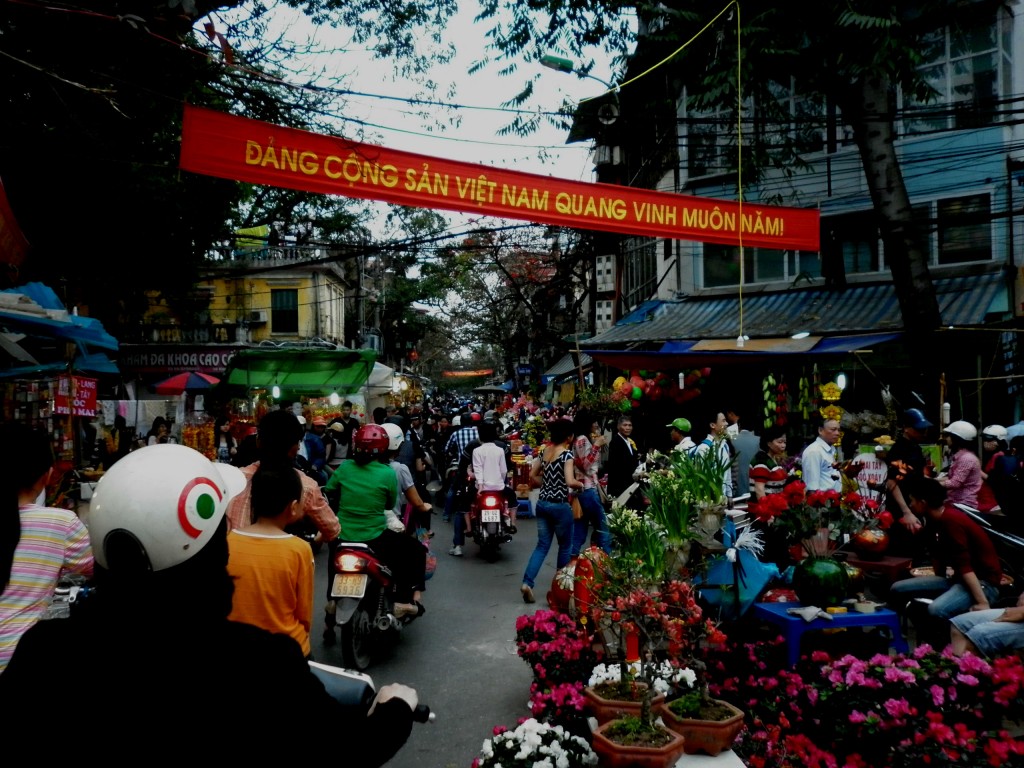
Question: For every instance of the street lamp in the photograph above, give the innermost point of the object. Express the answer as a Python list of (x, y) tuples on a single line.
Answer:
[(606, 113)]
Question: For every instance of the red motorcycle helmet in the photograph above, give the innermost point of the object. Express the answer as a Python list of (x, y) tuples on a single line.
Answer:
[(372, 439)]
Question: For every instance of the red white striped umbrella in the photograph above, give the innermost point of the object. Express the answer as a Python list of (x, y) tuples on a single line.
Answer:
[(189, 381)]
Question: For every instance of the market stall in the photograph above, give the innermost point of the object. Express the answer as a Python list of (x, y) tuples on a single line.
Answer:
[(317, 379), (52, 364)]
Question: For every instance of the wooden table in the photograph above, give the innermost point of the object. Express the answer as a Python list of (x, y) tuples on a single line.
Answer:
[(891, 569), (794, 627)]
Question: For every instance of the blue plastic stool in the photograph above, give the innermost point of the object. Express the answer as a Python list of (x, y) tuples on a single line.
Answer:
[(525, 509)]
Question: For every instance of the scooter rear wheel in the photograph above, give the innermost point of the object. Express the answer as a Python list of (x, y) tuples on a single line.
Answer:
[(357, 640), (490, 550)]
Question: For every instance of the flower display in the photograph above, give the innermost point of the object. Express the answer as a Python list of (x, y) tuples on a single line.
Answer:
[(559, 703), (557, 649), (534, 431), (886, 711), (666, 677), (534, 744), (817, 518)]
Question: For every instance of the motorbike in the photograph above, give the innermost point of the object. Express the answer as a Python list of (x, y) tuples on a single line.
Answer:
[(305, 528), (490, 522), (362, 604), (356, 690)]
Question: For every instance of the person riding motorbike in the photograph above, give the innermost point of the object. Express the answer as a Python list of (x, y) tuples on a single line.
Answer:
[(152, 651), (366, 487), (278, 437), (409, 493)]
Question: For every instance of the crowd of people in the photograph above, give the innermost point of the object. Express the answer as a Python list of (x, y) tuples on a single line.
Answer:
[(379, 482)]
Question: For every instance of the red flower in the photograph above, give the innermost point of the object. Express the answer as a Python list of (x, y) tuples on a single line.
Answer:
[(794, 493), (770, 507)]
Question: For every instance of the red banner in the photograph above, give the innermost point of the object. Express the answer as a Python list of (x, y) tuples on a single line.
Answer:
[(75, 395), (229, 147), (13, 244), (481, 372)]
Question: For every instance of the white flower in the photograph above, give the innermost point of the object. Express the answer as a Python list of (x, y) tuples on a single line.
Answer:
[(610, 673)]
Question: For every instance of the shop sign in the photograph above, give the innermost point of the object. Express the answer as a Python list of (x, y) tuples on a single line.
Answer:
[(524, 370), (169, 359), (75, 396), (874, 469)]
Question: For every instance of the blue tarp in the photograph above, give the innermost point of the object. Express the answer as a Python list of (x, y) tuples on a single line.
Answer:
[(83, 330)]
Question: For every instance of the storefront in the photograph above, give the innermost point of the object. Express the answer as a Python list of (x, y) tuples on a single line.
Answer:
[(53, 370)]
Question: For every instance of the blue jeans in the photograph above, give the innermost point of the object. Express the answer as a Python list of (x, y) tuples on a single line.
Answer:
[(459, 533), (593, 515), (989, 636), (553, 519), (949, 598)]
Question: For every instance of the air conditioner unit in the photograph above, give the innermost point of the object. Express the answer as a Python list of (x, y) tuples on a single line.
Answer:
[(258, 316)]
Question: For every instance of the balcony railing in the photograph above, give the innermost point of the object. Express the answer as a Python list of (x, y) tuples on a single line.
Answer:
[(271, 256), (176, 333)]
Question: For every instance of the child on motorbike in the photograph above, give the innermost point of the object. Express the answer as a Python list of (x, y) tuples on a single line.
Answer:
[(273, 570)]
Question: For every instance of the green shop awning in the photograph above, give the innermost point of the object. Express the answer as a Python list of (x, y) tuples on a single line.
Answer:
[(315, 372)]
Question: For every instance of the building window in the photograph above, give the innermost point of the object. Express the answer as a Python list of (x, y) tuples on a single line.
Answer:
[(605, 269), (603, 315), (639, 273), (964, 231), (969, 70), (284, 310), (721, 265), (850, 244), (708, 142)]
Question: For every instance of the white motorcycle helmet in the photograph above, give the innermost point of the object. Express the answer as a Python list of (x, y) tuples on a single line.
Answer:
[(395, 436), (962, 429), (995, 431), (168, 498)]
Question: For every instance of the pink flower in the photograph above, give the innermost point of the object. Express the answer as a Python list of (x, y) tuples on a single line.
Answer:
[(898, 708)]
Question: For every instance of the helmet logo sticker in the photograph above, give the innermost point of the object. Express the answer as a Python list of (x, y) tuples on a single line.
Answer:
[(197, 504)]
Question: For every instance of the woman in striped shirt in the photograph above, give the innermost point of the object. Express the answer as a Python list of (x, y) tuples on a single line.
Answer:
[(38, 544)]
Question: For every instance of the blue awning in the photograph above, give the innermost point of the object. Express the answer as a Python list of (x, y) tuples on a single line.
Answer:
[(864, 308), (680, 354), (34, 309)]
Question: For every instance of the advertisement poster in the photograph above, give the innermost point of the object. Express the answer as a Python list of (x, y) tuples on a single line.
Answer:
[(75, 396)]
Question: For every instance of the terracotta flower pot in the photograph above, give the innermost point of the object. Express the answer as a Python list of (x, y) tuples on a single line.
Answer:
[(608, 709), (611, 754), (708, 736)]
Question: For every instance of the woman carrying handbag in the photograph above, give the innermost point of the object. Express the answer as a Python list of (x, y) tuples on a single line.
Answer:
[(554, 472)]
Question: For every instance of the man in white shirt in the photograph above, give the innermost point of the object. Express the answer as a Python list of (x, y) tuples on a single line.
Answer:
[(818, 461), (717, 439)]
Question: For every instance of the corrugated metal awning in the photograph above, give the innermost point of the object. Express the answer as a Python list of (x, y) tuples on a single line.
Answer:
[(859, 309), (568, 365)]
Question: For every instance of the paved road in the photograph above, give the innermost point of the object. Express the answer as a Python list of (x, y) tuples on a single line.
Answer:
[(460, 655)]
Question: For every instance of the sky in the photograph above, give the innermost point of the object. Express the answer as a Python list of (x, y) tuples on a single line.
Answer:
[(476, 139)]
